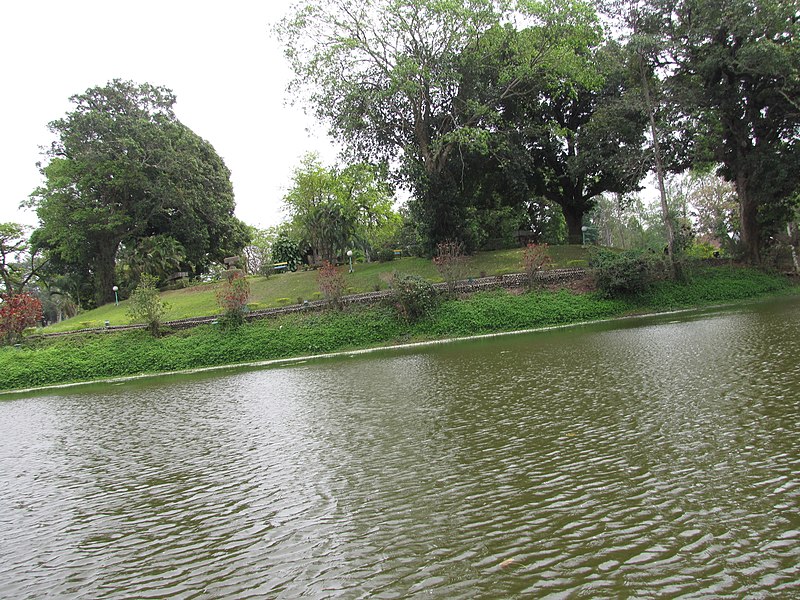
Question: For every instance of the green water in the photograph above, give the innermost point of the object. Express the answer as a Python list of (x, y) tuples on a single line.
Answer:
[(648, 458)]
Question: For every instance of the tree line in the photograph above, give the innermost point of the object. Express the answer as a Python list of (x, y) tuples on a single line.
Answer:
[(498, 119), (489, 105)]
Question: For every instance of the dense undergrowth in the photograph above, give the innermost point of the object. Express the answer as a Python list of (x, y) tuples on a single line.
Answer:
[(46, 361)]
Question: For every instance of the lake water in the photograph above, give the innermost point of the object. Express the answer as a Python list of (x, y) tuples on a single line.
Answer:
[(654, 457)]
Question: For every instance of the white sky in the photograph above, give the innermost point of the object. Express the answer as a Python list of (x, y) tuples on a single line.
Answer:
[(220, 58)]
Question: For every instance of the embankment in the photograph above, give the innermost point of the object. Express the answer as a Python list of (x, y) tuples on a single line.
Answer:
[(86, 357)]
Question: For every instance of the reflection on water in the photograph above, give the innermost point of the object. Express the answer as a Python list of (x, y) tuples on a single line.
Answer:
[(650, 458)]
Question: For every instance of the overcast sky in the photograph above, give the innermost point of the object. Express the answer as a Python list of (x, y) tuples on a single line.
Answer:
[(220, 59)]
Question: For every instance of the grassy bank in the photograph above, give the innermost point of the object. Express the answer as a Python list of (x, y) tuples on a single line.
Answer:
[(291, 288), (94, 356)]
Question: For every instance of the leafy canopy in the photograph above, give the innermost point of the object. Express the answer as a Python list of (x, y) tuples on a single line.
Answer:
[(386, 76), (124, 169), (334, 209)]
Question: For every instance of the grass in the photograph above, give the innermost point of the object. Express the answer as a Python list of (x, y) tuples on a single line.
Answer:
[(46, 361), (288, 288)]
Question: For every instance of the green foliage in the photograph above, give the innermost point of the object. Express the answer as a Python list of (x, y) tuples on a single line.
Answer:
[(739, 80), (412, 296), (393, 83), (86, 357), (158, 256), (287, 250), (232, 297), (123, 168), (700, 250), (709, 285), (628, 273), (571, 130), (385, 255), (500, 311), (19, 264), (145, 305), (334, 209)]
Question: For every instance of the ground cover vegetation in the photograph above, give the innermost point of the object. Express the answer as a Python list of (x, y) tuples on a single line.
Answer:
[(43, 361)]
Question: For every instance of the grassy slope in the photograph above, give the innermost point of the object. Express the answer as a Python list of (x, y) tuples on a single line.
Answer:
[(200, 300), (92, 356)]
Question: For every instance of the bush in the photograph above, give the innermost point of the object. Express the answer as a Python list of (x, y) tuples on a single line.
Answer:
[(412, 296), (702, 250), (451, 263), (286, 250), (331, 284), (146, 305), (17, 313), (385, 255), (534, 258), (620, 274), (232, 297)]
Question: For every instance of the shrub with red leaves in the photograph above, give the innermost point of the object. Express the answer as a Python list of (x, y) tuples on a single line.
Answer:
[(534, 260), (331, 283), (17, 313), (232, 297)]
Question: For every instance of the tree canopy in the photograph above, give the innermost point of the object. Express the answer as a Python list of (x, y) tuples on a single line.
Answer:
[(489, 110), (387, 78), (573, 135), (20, 264), (335, 209), (732, 68), (122, 170)]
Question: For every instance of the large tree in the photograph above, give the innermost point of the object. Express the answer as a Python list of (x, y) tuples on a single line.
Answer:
[(737, 69), (123, 169), (572, 133), (385, 76)]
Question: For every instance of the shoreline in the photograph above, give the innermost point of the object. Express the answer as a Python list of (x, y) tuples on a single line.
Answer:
[(288, 361)]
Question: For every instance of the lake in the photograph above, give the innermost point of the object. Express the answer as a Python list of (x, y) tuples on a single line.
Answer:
[(647, 457)]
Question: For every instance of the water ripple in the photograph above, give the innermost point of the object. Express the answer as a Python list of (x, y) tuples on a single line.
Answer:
[(651, 460)]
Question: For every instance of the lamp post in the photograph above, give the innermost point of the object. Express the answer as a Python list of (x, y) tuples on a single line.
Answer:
[(350, 257), (584, 229), (116, 297)]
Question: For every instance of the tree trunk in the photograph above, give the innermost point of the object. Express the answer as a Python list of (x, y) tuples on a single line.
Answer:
[(651, 112), (104, 266), (748, 215), (619, 220), (791, 230), (574, 219)]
